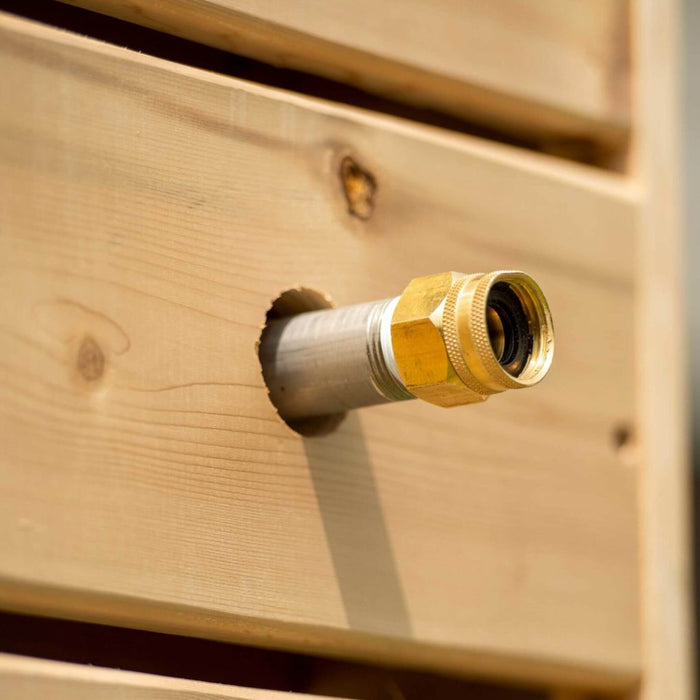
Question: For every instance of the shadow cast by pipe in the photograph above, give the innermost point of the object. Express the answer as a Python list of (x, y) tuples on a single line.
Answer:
[(356, 531)]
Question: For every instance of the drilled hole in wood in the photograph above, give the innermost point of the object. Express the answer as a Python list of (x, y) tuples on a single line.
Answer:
[(624, 443), (290, 303), (622, 434)]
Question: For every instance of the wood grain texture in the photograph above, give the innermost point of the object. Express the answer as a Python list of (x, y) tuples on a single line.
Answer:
[(663, 420), (544, 68), (23, 678), (151, 214)]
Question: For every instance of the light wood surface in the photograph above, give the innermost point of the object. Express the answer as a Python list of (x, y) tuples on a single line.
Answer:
[(667, 543), (22, 678), (150, 214), (552, 68)]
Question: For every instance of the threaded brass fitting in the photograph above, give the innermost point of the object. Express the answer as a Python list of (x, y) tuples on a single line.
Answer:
[(459, 338)]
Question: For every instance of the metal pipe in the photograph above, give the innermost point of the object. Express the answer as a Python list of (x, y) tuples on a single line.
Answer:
[(324, 362), (449, 339)]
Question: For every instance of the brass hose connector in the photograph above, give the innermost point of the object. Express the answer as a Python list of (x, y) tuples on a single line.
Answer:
[(449, 339), (459, 338)]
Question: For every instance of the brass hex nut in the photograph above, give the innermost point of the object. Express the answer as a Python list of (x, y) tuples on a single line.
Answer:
[(419, 343)]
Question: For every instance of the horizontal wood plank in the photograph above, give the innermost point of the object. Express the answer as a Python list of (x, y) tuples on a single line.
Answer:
[(151, 214), (553, 69), (23, 678)]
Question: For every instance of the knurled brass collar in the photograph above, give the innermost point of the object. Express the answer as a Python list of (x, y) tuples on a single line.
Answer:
[(475, 341)]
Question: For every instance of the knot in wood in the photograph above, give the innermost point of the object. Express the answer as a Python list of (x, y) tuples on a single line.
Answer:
[(359, 187), (90, 360)]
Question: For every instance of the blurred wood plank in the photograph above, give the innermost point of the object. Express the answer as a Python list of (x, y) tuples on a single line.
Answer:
[(152, 213), (23, 678), (663, 406), (550, 69)]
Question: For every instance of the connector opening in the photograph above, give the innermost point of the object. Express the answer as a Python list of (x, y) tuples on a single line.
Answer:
[(509, 328), (520, 328)]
